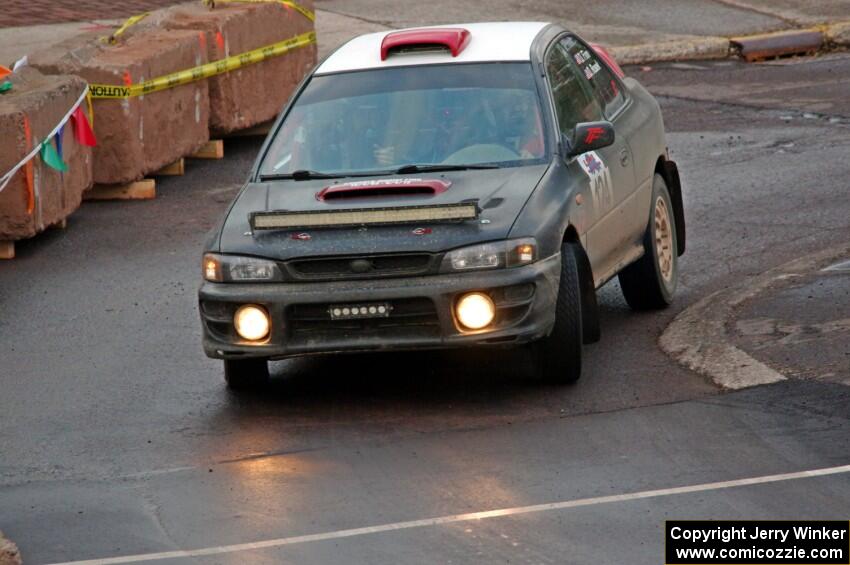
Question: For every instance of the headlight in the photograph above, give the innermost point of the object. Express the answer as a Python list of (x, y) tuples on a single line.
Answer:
[(231, 268), (495, 255)]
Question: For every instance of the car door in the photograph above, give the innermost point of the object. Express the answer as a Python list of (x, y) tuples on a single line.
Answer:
[(630, 214), (606, 173)]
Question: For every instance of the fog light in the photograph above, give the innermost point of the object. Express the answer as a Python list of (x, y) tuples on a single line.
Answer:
[(475, 310), (251, 322)]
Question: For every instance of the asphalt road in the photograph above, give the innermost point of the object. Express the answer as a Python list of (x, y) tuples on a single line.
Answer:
[(695, 17), (117, 436)]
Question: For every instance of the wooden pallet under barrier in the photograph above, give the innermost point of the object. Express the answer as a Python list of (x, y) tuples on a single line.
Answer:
[(175, 169), (140, 190), (212, 149), (7, 249)]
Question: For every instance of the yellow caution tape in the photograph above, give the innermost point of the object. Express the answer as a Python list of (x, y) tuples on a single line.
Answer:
[(132, 20), (203, 71), (295, 6), (90, 107)]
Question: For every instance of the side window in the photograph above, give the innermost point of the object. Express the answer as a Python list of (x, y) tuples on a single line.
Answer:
[(604, 85), (573, 100)]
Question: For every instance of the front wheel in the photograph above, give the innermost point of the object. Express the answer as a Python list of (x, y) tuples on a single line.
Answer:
[(558, 356), (246, 374), (650, 282)]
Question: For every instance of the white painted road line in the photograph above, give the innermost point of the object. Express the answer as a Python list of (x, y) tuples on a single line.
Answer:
[(472, 516), (842, 266)]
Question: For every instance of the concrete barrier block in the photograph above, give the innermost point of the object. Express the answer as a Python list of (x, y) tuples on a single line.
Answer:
[(139, 135), (38, 103), (256, 93)]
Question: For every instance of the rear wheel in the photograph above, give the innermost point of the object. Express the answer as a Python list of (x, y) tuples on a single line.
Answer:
[(650, 282), (558, 356), (246, 374)]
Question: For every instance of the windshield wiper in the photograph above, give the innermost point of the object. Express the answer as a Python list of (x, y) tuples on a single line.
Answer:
[(300, 174), (437, 167), (303, 174)]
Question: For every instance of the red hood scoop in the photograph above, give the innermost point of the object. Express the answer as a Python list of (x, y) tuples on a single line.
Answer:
[(383, 187)]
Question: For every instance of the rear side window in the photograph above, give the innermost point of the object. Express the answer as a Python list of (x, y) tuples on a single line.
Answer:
[(574, 102), (604, 85)]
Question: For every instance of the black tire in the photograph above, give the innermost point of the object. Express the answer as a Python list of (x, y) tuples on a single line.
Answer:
[(644, 286), (246, 374), (558, 356), (589, 306)]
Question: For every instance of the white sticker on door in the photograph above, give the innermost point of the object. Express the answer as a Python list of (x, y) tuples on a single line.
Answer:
[(601, 187)]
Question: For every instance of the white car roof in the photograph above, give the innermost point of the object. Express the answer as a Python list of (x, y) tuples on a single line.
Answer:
[(497, 41)]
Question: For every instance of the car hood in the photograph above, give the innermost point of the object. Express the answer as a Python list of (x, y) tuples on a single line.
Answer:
[(501, 195)]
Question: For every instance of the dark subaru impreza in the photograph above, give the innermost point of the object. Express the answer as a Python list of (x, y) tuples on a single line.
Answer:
[(458, 186)]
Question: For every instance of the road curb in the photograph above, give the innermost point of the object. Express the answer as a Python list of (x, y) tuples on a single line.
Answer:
[(9, 554), (697, 338), (835, 34), (676, 50), (838, 33)]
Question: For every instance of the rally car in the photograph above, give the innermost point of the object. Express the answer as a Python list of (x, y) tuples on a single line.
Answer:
[(456, 186)]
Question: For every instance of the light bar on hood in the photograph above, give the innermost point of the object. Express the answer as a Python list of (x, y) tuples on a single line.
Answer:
[(445, 213)]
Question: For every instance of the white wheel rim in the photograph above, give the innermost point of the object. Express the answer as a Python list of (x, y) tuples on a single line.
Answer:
[(663, 240)]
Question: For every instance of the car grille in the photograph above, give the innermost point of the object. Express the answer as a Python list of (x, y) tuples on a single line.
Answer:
[(365, 266), (409, 318)]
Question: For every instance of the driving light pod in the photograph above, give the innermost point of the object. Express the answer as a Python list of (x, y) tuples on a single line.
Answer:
[(475, 310), (251, 322)]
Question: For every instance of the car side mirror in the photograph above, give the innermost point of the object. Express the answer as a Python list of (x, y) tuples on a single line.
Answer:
[(589, 136)]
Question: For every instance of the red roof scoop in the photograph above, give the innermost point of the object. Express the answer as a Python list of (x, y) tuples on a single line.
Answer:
[(455, 39), (606, 56)]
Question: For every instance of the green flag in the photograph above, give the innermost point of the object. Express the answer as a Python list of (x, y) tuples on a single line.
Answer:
[(51, 157), (5, 86)]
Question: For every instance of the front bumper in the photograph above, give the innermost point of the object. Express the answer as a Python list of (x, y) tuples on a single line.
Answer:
[(422, 318)]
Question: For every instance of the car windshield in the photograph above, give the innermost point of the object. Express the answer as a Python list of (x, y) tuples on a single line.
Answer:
[(382, 120)]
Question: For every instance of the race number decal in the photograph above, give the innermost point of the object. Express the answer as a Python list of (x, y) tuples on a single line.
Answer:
[(601, 186), (588, 65)]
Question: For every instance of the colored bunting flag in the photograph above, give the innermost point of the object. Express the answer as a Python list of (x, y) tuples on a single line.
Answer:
[(82, 128), (58, 138), (20, 63), (50, 154), (51, 157)]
